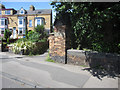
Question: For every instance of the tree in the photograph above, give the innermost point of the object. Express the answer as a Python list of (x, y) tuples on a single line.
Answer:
[(92, 24)]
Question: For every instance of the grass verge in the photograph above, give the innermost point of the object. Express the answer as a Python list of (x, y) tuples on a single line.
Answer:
[(49, 59)]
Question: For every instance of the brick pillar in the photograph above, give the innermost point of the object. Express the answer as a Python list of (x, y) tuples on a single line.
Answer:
[(57, 44)]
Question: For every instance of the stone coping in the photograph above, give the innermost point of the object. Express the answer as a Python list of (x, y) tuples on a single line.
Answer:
[(92, 52)]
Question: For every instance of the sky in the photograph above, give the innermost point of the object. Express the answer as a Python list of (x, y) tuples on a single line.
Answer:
[(25, 5)]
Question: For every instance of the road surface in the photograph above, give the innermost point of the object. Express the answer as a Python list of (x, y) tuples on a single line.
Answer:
[(34, 72)]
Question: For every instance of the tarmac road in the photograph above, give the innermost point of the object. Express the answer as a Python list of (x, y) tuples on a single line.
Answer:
[(34, 72)]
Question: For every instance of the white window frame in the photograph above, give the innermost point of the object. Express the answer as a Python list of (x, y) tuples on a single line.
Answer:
[(20, 20), (36, 23), (1, 22), (11, 29), (20, 30), (30, 23)]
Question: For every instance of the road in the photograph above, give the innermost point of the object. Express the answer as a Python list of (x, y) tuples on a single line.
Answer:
[(34, 72)]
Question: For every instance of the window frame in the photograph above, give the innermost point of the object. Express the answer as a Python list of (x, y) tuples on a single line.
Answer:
[(6, 12), (21, 12), (2, 21), (30, 23), (0, 12), (21, 20), (39, 21), (20, 30)]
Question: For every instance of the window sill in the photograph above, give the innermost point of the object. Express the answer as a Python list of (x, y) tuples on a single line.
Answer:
[(7, 14)]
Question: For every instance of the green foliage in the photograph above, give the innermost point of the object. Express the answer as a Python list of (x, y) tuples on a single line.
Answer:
[(92, 24), (41, 30), (21, 39), (39, 35), (35, 37), (35, 43), (49, 59), (30, 33), (7, 34), (27, 46), (8, 40), (4, 45)]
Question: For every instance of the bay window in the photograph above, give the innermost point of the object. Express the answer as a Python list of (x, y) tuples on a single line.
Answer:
[(39, 21), (20, 22), (7, 12)]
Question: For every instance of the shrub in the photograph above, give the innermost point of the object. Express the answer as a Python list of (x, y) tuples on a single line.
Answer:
[(21, 39), (7, 34), (29, 48), (4, 47), (8, 40), (34, 37), (30, 33), (41, 30), (35, 43), (24, 47)]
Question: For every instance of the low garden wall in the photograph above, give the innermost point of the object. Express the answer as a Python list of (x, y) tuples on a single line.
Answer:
[(94, 59), (76, 57)]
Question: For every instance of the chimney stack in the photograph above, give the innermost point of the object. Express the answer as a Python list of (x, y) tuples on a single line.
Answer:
[(2, 6), (32, 8)]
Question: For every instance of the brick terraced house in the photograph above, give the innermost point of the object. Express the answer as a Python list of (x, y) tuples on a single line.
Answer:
[(18, 21)]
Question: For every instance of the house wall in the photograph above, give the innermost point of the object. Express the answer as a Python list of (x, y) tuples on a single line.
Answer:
[(32, 17), (13, 22), (3, 12)]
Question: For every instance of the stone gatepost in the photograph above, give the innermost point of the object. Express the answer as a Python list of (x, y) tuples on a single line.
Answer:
[(57, 44), (59, 41)]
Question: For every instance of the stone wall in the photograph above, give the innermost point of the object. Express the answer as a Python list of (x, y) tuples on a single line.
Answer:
[(76, 57), (94, 59)]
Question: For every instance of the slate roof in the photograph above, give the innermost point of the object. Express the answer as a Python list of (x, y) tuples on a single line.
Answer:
[(37, 11)]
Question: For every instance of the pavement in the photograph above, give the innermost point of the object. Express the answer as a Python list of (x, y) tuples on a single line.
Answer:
[(20, 71)]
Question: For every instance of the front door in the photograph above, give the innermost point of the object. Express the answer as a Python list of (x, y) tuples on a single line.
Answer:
[(14, 32)]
